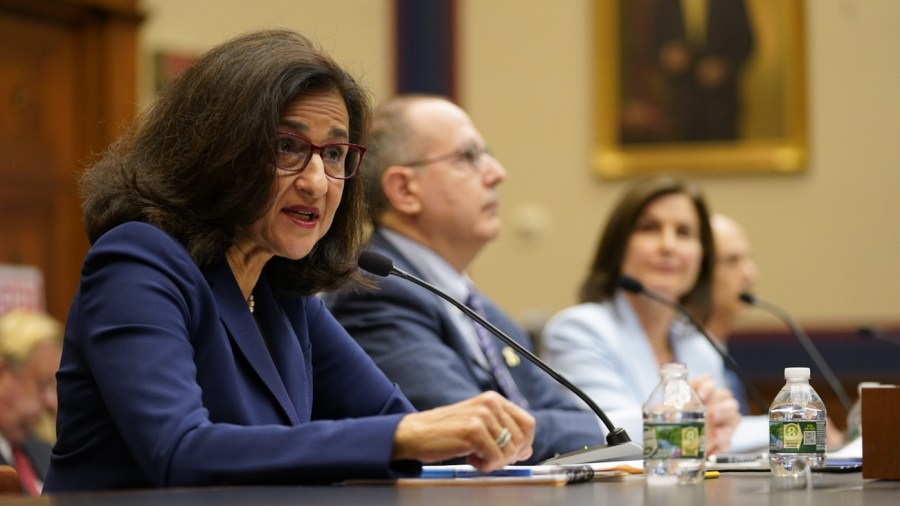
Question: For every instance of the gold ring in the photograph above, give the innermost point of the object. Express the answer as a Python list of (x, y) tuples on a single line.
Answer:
[(504, 438)]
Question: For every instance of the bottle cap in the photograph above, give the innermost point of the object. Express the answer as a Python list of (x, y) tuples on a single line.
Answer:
[(673, 367), (796, 372)]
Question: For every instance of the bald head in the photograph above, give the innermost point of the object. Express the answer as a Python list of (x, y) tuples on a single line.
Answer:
[(735, 272), (395, 137), (731, 241), (431, 177)]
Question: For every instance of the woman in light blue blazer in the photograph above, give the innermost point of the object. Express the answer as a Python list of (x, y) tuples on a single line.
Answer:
[(196, 352), (613, 343)]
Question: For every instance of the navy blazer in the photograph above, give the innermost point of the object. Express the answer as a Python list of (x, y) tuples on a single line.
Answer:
[(412, 337), (166, 380)]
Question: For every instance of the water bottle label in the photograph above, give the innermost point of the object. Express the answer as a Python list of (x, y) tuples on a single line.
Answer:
[(797, 436), (674, 441)]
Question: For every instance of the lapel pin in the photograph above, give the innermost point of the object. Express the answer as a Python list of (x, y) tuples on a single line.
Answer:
[(511, 357)]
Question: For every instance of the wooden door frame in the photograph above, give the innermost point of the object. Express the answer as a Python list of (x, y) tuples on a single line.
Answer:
[(105, 33)]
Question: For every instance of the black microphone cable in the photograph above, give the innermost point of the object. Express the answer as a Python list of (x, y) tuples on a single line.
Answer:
[(383, 266), (807, 344)]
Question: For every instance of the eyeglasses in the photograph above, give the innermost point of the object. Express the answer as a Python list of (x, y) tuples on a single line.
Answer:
[(341, 159), (472, 155)]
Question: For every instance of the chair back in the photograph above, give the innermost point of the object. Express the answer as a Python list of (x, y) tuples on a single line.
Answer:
[(9, 481)]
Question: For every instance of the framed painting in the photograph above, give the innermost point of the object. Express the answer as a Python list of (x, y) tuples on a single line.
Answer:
[(699, 86)]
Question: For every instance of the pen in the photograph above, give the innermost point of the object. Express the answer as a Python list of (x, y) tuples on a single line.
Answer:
[(734, 458), (457, 472)]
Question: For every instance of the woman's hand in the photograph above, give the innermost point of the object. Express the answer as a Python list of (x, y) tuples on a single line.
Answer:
[(722, 414), (834, 438), (471, 428)]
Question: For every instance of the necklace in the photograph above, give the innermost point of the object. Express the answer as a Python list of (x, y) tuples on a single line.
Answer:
[(251, 303)]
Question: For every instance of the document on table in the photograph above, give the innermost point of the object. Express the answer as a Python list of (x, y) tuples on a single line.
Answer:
[(851, 450), (751, 434)]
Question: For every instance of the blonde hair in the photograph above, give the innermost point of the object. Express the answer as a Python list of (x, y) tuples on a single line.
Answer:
[(22, 330)]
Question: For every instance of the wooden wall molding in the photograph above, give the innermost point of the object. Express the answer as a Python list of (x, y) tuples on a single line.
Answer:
[(67, 89)]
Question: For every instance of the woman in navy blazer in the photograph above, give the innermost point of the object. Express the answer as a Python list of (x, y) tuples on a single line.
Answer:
[(196, 352)]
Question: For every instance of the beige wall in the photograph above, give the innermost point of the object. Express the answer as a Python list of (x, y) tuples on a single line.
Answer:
[(357, 33), (827, 240)]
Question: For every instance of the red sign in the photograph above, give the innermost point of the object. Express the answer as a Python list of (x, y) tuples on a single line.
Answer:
[(21, 286)]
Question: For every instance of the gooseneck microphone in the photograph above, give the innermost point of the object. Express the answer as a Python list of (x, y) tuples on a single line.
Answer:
[(634, 286), (620, 446), (807, 344), (880, 334)]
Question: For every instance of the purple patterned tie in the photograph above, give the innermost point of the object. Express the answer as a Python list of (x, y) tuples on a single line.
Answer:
[(486, 342)]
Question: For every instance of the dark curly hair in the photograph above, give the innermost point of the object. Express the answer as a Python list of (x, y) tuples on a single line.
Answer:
[(200, 161), (602, 280)]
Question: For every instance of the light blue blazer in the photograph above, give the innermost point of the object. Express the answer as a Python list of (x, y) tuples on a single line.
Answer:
[(603, 349)]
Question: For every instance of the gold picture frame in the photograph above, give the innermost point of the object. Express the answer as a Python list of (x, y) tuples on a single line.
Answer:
[(636, 127)]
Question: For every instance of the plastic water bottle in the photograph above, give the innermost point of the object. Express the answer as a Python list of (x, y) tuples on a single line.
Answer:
[(674, 438), (796, 426)]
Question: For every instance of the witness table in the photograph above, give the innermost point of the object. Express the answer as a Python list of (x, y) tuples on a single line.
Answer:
[(729, 489)]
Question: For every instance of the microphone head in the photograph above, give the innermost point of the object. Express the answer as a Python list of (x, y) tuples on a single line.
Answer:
[(869, 332), (375, 263), (878, 333), (748, 298), (630, 284)]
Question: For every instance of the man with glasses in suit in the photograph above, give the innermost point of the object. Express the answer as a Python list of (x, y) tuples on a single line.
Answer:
[(431, 184)]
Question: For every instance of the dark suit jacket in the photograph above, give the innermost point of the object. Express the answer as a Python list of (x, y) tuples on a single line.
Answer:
[(166, 381), (414, 340), (708, 114), (729, 34)]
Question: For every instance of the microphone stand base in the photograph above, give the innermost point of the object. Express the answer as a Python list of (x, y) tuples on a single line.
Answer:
[(624, 451)]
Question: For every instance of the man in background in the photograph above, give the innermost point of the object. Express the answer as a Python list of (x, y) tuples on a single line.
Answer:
[(735, 273), (30, 348), (432, 187)]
